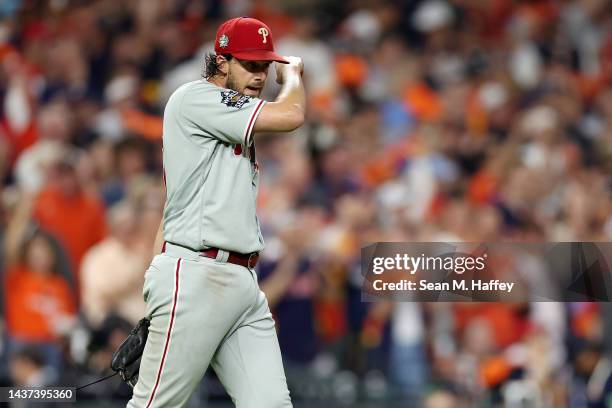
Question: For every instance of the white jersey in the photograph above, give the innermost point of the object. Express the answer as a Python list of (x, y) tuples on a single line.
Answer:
[(210, 169)]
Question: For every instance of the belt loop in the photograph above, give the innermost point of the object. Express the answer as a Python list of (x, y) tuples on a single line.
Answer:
[(222, 256)]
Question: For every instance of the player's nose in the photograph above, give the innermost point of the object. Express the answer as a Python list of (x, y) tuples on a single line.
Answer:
[(261, 76)]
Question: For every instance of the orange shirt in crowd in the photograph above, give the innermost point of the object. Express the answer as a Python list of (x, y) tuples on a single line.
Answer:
[(35, 303), (78, 222), (507, 326)]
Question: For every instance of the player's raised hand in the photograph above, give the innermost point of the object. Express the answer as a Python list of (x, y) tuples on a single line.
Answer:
[(295, 64)]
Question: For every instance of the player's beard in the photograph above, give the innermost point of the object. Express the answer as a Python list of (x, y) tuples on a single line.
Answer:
[(231, 83)]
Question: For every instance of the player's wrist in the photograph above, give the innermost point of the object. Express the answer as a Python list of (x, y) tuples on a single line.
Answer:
[(297, 68), (291, 76)]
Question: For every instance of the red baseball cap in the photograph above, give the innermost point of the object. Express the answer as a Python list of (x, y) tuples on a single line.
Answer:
[(248, 39)]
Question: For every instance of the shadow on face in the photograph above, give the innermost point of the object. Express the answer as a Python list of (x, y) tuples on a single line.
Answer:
[(247, 77)]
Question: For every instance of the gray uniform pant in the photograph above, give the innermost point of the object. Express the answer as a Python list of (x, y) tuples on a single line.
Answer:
[(207, 312)]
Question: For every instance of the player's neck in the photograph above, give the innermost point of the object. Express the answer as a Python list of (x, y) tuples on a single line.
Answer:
[(218, 80)]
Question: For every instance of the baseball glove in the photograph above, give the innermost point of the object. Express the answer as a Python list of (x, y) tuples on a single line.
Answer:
[(126, 360)]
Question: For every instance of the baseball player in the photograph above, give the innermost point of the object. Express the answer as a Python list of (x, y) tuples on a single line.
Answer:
[(201, 289)]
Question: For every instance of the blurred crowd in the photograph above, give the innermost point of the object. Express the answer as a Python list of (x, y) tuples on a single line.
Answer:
[(428, 120)]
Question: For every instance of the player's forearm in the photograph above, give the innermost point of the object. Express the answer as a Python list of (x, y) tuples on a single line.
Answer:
[(292, 96), (288, 111)]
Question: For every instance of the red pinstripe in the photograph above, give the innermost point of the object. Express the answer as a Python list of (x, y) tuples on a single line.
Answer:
[(174, 302), (252, 122)]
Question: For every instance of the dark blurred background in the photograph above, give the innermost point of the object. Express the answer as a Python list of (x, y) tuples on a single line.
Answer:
[(457, 120)]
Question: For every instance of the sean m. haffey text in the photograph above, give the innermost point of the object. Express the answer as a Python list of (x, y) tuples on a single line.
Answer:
[(412, 264)]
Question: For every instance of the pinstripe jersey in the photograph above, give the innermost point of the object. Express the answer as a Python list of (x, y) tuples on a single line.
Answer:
[(210, 169)]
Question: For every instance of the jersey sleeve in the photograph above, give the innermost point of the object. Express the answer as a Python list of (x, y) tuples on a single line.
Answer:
[(222, 113)]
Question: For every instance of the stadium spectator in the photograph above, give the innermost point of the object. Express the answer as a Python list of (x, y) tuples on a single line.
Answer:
[(112, 272), (63, 195), (40, 303), (28, 369)]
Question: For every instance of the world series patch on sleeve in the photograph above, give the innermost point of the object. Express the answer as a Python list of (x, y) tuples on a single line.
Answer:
[(234, 99)]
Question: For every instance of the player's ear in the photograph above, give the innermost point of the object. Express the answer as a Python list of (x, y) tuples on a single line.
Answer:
[(222, 64)]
